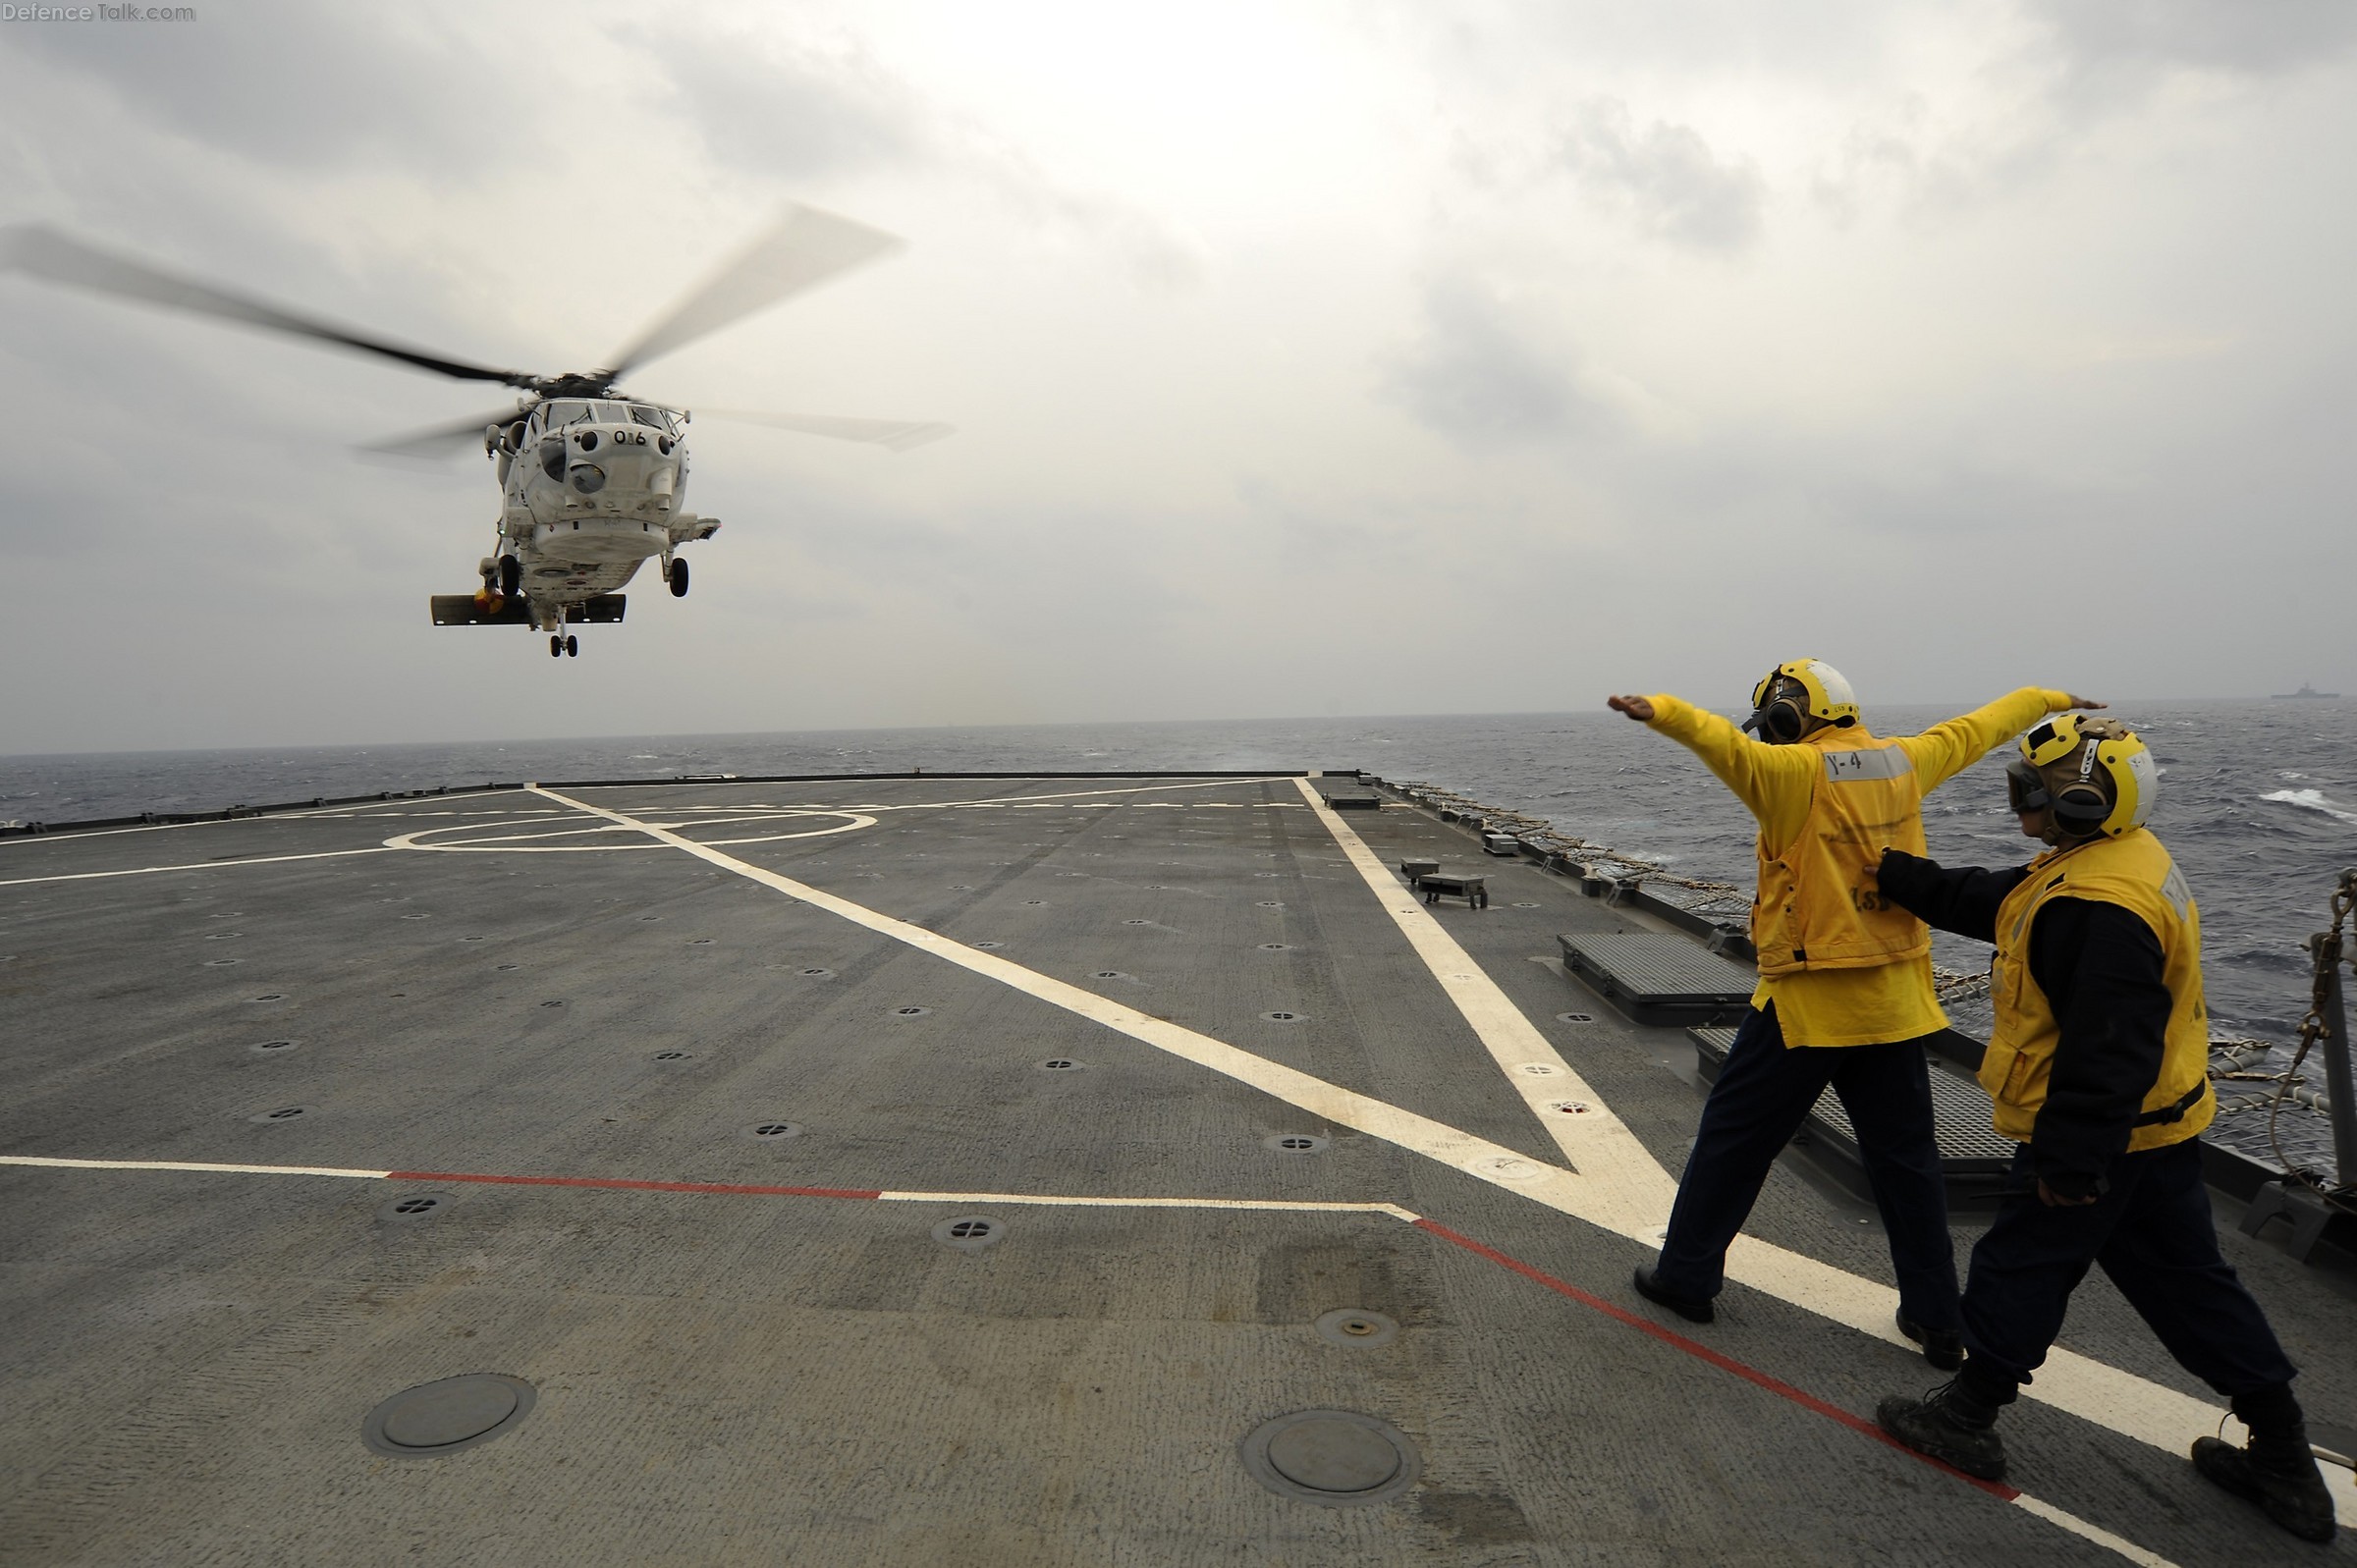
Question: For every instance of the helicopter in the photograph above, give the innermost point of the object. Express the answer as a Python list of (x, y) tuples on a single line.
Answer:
[(592, 480)]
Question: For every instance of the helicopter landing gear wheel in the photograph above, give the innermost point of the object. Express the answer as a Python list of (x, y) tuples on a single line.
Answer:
[(573, 647), (556, 647), (677, 573), (511, 576)]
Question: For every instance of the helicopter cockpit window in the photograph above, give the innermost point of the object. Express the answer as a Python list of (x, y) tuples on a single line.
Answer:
[(564, 413), (652, 418), (613, 413)]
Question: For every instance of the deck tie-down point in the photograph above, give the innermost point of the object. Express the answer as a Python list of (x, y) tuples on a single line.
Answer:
[(1356, 1327)]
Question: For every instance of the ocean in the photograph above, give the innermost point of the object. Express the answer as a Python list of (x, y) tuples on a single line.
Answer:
[(2259, 798)]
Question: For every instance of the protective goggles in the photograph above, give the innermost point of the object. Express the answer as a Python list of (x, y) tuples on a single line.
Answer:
[(2025, 786)]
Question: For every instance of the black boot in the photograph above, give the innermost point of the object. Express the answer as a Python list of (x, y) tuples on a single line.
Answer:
[(1943, 1348), (1948, 1425), (2275, 1469), (1694, 1309)]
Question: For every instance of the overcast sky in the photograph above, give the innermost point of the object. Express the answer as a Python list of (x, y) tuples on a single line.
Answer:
[(1317, 359)]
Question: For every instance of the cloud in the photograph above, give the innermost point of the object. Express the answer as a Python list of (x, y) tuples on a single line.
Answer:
[(1484, 380), (293, 85), (1666, 175), (802, 111), (2226, 35), (789, 110)]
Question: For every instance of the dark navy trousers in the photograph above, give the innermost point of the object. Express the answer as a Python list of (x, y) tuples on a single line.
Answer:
[(1763, 1094), (2153, 1233)]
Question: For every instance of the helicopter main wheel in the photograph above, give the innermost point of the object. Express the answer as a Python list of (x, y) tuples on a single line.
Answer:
[(573, 647), (511, 576), (679, 579), (556, 647)]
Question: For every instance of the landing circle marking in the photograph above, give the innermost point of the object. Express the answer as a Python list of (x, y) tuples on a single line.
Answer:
[(491, 838)]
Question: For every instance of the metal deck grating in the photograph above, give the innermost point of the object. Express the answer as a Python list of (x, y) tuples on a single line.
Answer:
[(1660, 979)]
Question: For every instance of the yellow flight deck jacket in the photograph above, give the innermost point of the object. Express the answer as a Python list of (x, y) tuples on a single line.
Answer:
[(1843, 1003), (2135, 873)]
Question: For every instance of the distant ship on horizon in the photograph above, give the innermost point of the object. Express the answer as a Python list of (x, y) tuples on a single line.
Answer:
[(2306, 690)]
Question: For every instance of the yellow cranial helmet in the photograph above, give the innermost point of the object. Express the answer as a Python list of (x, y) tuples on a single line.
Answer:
[(1779, 711), (2095, 773)]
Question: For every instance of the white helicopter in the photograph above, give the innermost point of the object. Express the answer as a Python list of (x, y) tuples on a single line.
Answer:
[(592, 482)]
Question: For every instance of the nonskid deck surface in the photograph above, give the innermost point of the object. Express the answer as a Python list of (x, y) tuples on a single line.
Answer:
[(1315, 1147)]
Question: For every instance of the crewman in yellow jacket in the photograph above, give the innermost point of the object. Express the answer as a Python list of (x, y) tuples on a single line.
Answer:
[(2099, 1069), (1845, 978)]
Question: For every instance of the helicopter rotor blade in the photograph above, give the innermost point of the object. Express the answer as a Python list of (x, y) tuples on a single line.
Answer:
[(802, 249), (40, 251), (900, 434), (439, 441)]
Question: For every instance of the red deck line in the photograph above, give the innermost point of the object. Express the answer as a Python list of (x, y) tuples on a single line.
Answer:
[(1702, 1352), (636, 1186)]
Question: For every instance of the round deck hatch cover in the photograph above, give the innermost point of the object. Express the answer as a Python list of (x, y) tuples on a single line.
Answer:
[(446, 1415), (1334, 1458)]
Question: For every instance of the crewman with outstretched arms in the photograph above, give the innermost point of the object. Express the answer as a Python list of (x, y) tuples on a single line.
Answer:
[(1846, 991), (2098, 1066)]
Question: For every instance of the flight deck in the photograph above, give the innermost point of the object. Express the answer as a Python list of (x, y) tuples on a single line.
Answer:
[(949, 1170)]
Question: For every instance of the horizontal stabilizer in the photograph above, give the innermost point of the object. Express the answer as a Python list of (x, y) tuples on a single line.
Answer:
[(470, 610)]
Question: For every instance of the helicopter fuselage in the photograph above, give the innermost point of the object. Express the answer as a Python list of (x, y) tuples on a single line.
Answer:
[(589, 488)]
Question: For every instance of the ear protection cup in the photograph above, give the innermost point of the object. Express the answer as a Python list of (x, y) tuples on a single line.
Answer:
[(2081, 808)]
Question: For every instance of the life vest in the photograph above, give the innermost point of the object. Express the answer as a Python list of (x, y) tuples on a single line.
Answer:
[(1819, 904), (2134, 872)]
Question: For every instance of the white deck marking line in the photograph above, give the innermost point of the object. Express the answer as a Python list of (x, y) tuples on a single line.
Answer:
[(2090, 1532), (940, 805), (1631, 1193), (2085, 1387), (1265, 1204), (189, 1164), (1637, 1194), (1078, 795), (201, 865), (1036, 1199)]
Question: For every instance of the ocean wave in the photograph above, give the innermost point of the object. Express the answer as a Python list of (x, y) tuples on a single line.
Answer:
[(2315, 800), (2283, 960)]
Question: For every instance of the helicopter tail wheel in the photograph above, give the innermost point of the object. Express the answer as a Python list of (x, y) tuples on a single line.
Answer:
[(511, 576), (679, 577), (573, 647), (556, 647)]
